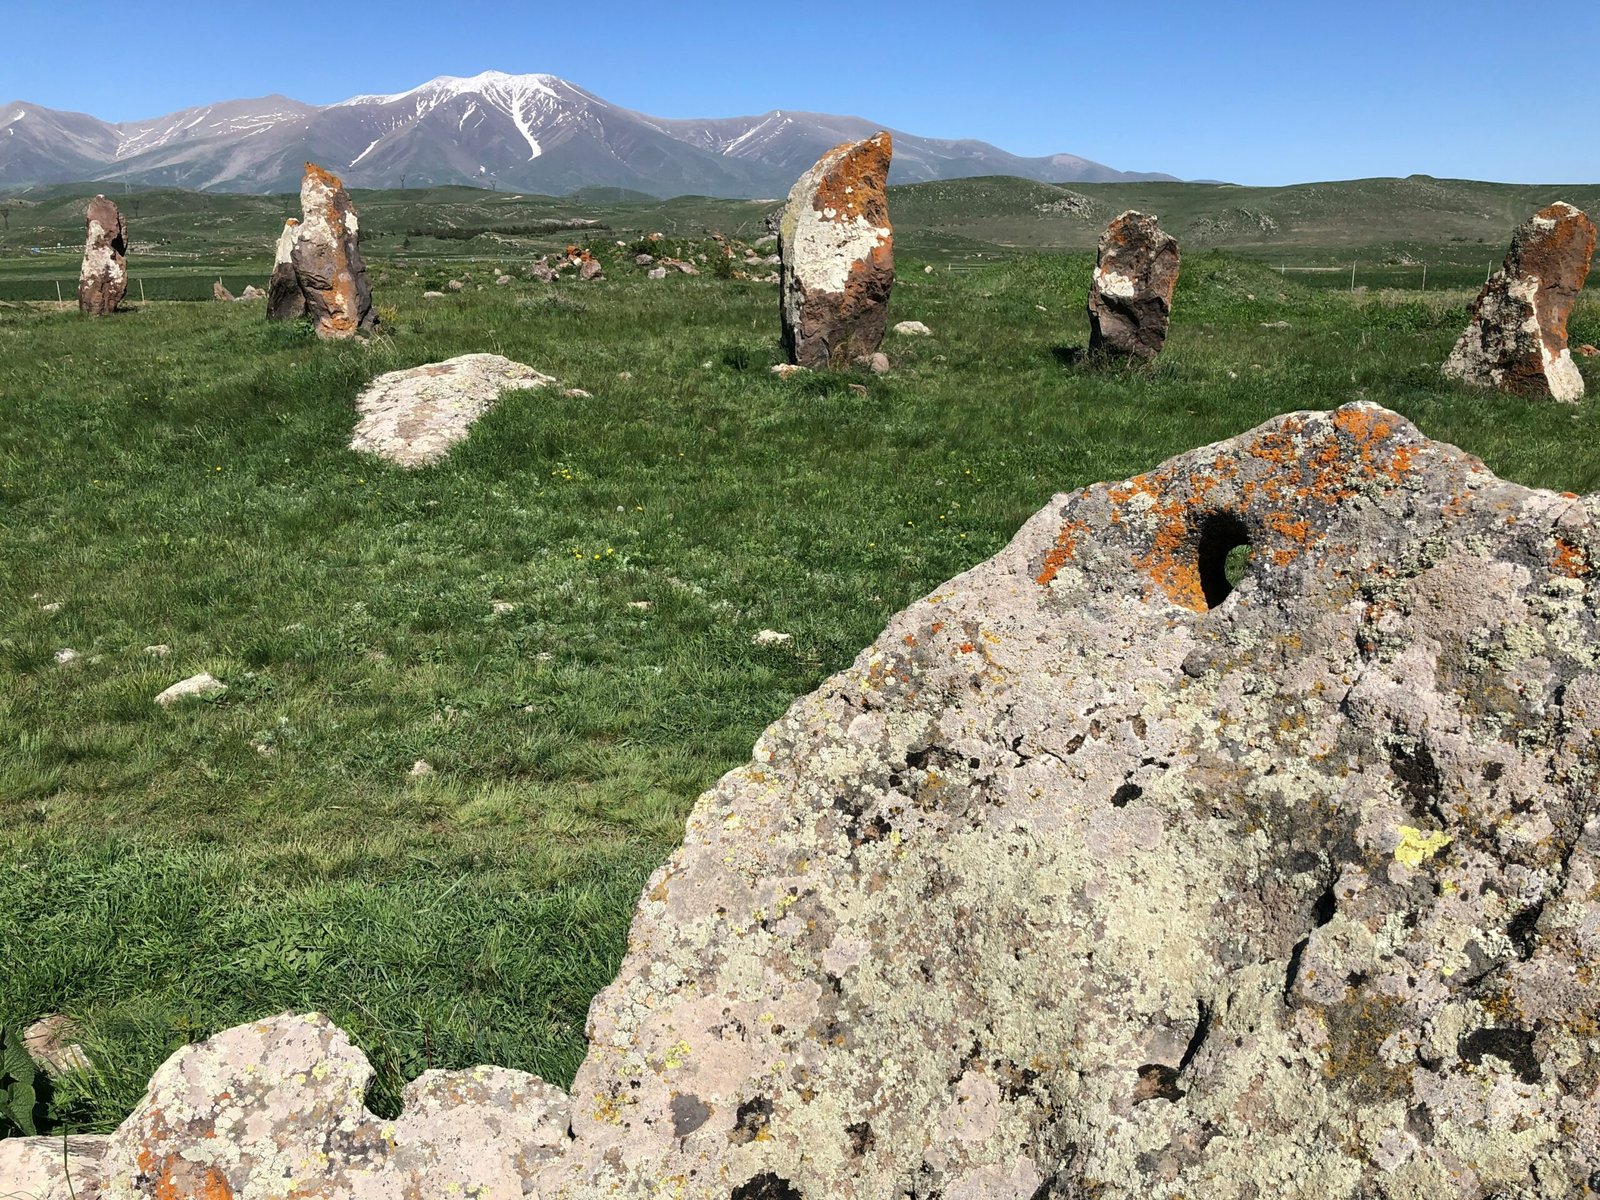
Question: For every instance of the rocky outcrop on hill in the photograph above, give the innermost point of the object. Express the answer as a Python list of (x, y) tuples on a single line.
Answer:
[(1231, 833), (837, 250), (1130, 299), (1517, 340), (285, 300), (413, 417), (103, 279), (327, 261)]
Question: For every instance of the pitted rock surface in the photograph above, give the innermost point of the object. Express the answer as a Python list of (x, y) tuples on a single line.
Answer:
[(1130, 298), (413, 417), (275, 1110), (837, 250), (1517, 340), (285, 300), (326, 256), (1099, 875), (51, 1168), (103, 278)]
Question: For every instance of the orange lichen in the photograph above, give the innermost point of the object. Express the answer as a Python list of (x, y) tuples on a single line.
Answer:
[(854, 184), (1569, 560), (967, 647), (1066, 546)]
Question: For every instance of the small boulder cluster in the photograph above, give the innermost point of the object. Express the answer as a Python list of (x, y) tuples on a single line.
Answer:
[(550, 268)]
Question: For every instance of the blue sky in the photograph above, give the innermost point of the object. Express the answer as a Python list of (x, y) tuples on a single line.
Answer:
[(1254, 93)]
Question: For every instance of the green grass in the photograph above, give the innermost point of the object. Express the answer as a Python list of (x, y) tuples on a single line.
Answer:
[(178, 475)]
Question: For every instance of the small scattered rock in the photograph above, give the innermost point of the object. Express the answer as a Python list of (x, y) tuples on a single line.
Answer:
[(641, 605), (195, 687), (543, 272), (160, 650), (928, 270), (858, 389), (420, 768), (657, 273), (913, 329), (502, 280), (577, 394), (502, 607), (771, 637), (252, 292), (784, 370), (455, 285), (877, 363), (1587, 350), (591, 270), (53, 607), (66, 656), (49, 1042), (433, 295), (221, 293), (644, 260)]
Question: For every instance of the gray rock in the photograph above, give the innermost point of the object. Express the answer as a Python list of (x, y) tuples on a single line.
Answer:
[(327, 258), (221, 294), (413, 417), (103, 278), (194, 687), (51, 1168), (252, 292), (50, 1042), (285, 299), (656, 273), (1517, 339), (912, 329), (1114, 867)]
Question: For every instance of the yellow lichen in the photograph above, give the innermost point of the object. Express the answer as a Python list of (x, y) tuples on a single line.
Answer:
[(1416, 847)]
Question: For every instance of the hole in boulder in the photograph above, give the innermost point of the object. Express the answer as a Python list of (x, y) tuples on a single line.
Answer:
[(766, 1186), (1224, 553)]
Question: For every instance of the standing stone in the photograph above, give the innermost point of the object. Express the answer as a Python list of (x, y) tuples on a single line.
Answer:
[(220, 293), (327, 258), (1517, 340), (103, 281), (837, 248), (1130, 300), (285, 300)]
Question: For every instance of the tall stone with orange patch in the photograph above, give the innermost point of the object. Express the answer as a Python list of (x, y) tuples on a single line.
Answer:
[(1517, 340), (837, 248), (1130, 299), (285, 300), (327, 258), (103, 280)]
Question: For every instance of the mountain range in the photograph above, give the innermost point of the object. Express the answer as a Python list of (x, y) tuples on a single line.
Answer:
[(533, 133)]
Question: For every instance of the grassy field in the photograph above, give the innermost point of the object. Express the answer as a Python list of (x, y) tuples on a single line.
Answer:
[(178, 476)]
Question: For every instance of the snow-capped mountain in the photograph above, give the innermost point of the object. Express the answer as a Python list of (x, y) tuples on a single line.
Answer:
[(528, 132)]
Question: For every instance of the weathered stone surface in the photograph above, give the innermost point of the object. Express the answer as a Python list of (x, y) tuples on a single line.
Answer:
[(275, 1109), (194, 687), (1517, 339), (591, 270), (51, 1168), (413, 417), (285, 299), (51, 1041), (221, 294), (252, 292), (913, 329), (837, 250), (1096, 875), (103, 279), (1130, 299), (327, 258)]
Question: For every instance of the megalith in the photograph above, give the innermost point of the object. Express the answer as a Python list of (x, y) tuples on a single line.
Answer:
[(327, 258), (285, 300), (1517, 338), (1231, 833), (837, 250), (1130, 298), (103, 279)]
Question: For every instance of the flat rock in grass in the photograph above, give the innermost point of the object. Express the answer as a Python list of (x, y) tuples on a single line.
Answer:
[(285, 299), (193, 688), (413, 417), (1108, 869), (837, 251), (275, 1109), (103, 278), (327, 258), (51, 1168), (1517, 339), (912, 329), (1130, 297), (50, 1042)]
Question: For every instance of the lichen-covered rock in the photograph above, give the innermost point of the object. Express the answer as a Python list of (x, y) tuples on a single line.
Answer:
[(327, 258), (103, 279), (285, 300), (837, 251), (413, 417), (1121, 865), (51, 1168), (1517, 339), (1130, 298), (275, 1109)]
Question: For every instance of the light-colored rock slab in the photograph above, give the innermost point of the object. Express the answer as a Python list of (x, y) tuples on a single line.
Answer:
[(195, 687), (413, 417), (51, 1168)]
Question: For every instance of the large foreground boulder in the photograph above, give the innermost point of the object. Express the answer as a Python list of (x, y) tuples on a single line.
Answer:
[(1517, 340), (837, 251), (327, 258), (1130, 298), (285, 300), (413, 417), (103, 278), (1122, 865)]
